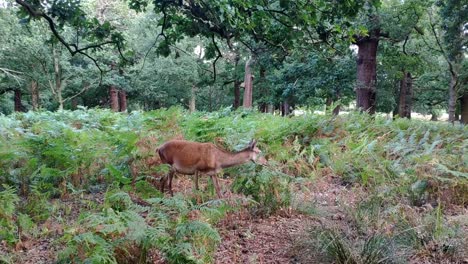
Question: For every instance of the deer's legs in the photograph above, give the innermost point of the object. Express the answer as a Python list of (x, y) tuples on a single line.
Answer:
[(163, 183), (171, 176), (196, 180), (216, 185)]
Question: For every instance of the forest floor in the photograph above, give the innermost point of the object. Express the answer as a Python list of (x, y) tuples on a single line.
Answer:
[(245, 238), (280, 238)]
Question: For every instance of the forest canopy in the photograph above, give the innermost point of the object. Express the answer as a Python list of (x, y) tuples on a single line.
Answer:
[(386, 56)]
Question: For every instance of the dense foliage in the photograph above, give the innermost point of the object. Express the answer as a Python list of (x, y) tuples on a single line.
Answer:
[(94, 169), (409, 56)]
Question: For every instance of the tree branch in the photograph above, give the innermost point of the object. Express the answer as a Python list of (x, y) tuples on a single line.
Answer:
[(439, 44), (228, 82), (72, 48), (217, 57), (85, 88), (163, 27), (6, 90), (404, 45)]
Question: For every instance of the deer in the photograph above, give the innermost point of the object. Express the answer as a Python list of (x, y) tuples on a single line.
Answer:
[(193, 158)]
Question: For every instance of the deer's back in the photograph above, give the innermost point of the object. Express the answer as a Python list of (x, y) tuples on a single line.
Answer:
[(187, 156)]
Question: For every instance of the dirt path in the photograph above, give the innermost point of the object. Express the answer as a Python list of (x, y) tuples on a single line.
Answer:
[(261, 240)]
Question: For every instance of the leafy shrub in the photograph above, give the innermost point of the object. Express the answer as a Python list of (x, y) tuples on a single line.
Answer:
[(37, 205), (270, 190), (171, 226), (8, 205)]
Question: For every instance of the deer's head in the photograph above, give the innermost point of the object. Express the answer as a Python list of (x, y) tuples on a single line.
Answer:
[(254, 153)]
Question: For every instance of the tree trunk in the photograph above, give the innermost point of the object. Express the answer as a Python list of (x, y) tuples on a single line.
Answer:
[(262, 90), (328, 103), (285, 108), (336, 110), (406, 96), (210, 100), (58, 78), (34, 95), (18, 105), (434, 116), (237, 84), (396, 95), (192, 106), (114, 99), (74, 103), (123, 101), (270, 108), (237, 93), (367, 71), (248, 84), (464, 108), (452, 98), (395, 112)]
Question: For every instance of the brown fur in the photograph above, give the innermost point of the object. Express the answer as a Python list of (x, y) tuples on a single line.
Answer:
[(189, 158)]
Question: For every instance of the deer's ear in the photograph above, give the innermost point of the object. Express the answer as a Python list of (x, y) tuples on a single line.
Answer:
[(252, 144)]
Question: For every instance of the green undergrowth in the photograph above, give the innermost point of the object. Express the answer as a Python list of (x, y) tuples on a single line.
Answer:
[(402, 165), (126, 232)]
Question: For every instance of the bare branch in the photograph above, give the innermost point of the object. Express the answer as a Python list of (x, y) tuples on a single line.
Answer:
[(12, 73), (85, 88)]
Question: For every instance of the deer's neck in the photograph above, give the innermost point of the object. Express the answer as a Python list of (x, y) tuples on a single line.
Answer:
[(233, 159)]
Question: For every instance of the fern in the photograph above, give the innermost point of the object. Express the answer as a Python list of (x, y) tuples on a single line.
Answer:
[(88, 248), (269, 189), (8, 206), (48, 155), (166, 226)]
